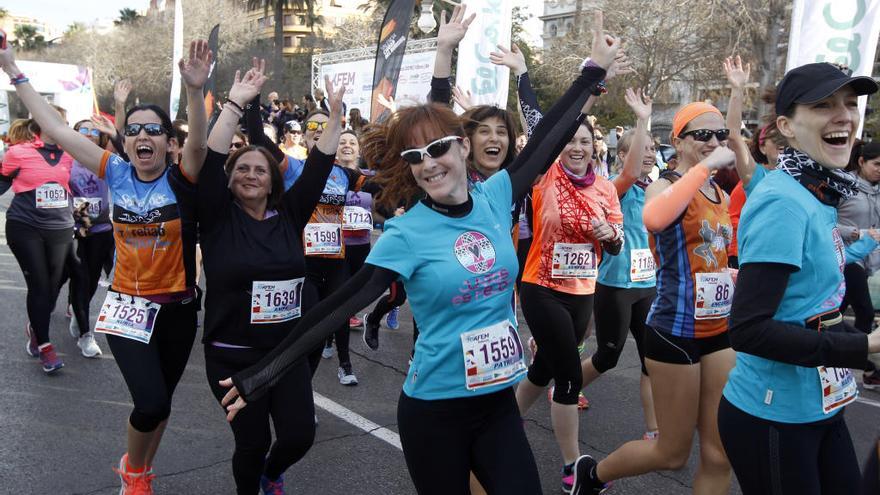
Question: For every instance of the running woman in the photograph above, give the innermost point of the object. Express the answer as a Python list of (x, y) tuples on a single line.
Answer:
[(781, 418), (154, 230), (251, 238), (93, 240), (457, 412), (687, 351), (625, 287), (39, 225)]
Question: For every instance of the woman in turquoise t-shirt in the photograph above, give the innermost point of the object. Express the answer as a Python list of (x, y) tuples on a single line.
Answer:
[(781, 418)]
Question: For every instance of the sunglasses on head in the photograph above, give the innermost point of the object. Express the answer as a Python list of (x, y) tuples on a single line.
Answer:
[(237, 145), (434, 149), (151, 129), (705, 135), (314, 125), (89, 132)]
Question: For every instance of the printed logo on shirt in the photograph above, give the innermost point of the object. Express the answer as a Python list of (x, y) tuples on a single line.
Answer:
[(836, 298), (475, 252), (482, 287), (715, 239)]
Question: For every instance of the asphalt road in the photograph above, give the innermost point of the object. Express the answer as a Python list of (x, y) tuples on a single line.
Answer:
[(63, 434)]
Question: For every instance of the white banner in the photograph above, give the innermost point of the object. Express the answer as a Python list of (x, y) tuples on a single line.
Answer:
[(837, 31), (69, 86), (174, 104), (413, 84), (487, 82)]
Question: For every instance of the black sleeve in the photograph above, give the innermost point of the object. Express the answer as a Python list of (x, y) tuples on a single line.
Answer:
[(758, 294), (441, 91), (256, 136), (528, 103), (612, 248), (552, 133), (302, 197), (213, 196), (5, 184), (367, 285)]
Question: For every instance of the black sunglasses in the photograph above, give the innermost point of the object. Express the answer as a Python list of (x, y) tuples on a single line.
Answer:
[(705, 135), (434, 149), (151, 129), (236, 145)]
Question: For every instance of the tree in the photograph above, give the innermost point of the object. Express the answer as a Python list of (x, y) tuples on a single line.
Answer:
[(127, 16), (28, 38), (277, 8)]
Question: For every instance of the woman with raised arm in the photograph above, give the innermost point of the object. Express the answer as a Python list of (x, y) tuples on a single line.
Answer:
[(625, 287), (781, 418), (250, 229), (457, 411), (150, 312), (39, 226)]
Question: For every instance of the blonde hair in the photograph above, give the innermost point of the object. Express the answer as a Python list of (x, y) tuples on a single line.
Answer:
[(19, 132)]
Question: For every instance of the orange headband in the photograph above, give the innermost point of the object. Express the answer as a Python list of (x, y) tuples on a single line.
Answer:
[(688, 113)]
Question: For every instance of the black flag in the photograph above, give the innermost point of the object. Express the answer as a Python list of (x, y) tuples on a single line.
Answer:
[(389, 55)]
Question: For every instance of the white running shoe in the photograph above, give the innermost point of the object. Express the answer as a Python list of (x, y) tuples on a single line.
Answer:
[(73, 327), (327, 353), (88, 346), (346, 375)]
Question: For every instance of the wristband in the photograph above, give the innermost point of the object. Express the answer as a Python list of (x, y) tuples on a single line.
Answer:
[(236, 105), (19, 79), (599, 89)]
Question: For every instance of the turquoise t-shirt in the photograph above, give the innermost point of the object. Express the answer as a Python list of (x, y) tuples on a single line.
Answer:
[(459, 275), (783, 223), (757, 176), (616, 271)]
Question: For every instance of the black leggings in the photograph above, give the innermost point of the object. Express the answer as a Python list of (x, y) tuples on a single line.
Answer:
[(522, 252), (771, 458), (622, 311), (84, 264), (328, 275), (153, 370), (396, 297), (355, 256), (40, 254), (858, 296), (444, 440), (288, 403), (558, 322)]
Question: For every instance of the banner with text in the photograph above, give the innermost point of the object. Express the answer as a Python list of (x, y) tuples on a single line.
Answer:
[(838, 31), (389, 55), (475, 72), (413, 81)]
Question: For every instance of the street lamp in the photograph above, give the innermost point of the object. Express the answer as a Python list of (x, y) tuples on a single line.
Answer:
[(426, 20)]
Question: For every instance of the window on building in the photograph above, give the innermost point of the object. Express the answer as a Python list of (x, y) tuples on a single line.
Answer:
[(288, 41), (288, 20), (553, 30)]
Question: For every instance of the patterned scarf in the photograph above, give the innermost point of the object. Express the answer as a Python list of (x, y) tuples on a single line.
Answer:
[(828, 185), (580, 181)]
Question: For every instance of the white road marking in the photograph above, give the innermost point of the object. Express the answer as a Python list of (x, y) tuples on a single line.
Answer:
[(869, 402), (7, 287), (357, 420)]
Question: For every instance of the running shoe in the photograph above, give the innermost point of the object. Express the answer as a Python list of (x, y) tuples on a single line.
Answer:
[(585, 482), (134, 483), (32, 348), (354, 322), (871, 381), (50, 361), (346, 375), (73, 328), (371, 334), (327, 353), (391, 318), (583, 403), (272, 487), (88, 346), (651, 435), (567, 480)]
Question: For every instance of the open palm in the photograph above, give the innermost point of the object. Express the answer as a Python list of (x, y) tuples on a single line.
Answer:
[(197, 68)]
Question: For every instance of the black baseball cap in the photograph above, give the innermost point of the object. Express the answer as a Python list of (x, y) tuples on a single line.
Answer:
[(813, 82)]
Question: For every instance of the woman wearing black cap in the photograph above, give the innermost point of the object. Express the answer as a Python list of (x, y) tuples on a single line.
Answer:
[(781, 418)]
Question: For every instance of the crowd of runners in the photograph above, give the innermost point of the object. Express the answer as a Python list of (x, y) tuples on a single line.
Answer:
[(733, 291)]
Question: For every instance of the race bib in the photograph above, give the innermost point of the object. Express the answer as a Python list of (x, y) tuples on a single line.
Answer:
[(276, 301), (641, 267), (838, 388), (127, 316), (323, 238), (573, 261), (492, 356), (51, 195), (357, 218), (714, 295), (94, 205)]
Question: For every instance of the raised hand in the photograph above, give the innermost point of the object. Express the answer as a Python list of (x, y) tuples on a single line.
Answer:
[(737, 73), (334, 96), (103, 124), (7, 60), (721, 157), (244, 89), (197, 68), (619, 67), (121, 90), (513, 59), (605, 46), (450, 34), (462, 97), (639, 102)]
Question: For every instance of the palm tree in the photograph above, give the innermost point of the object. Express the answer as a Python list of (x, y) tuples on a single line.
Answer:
[(277, 8), (127, 16), (27, 38)]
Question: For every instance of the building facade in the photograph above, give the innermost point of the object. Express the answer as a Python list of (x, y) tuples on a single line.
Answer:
[(296, 25)]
